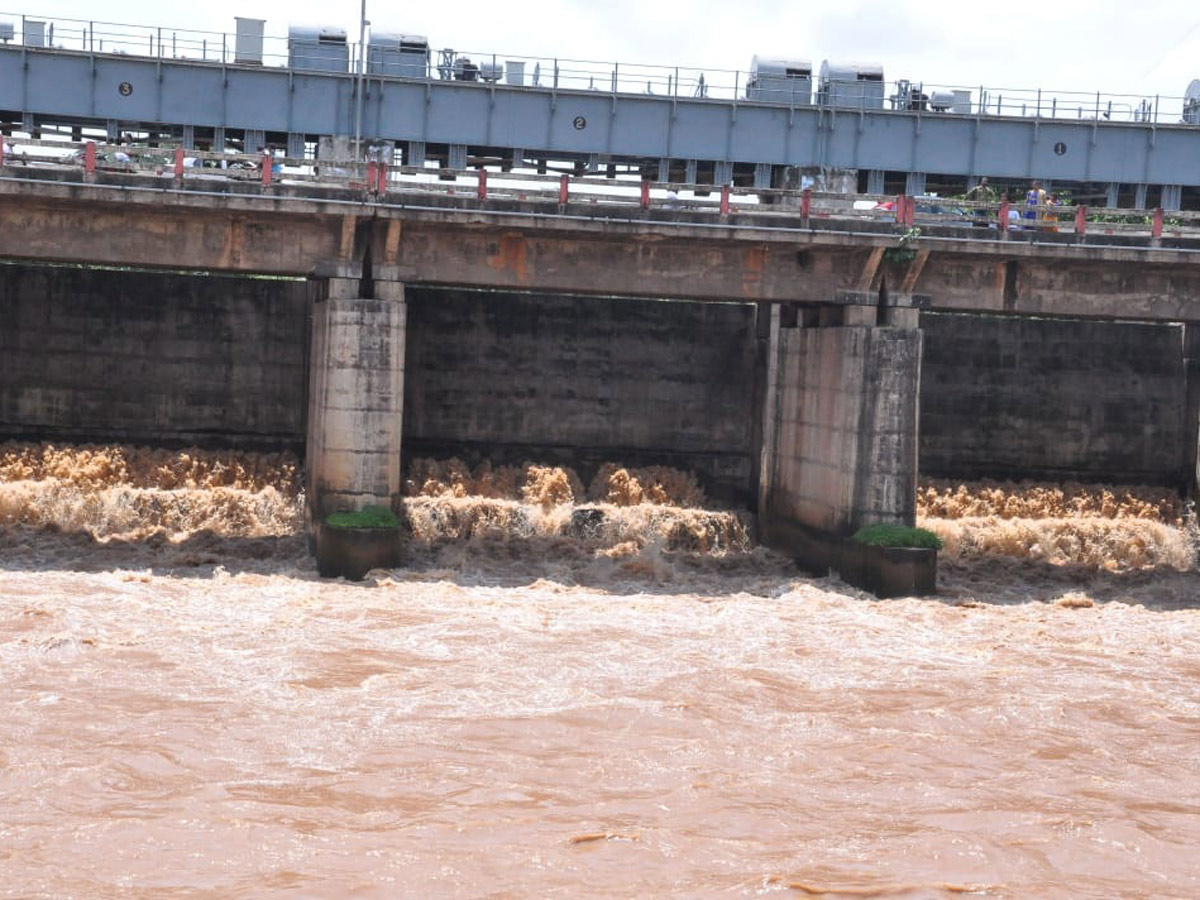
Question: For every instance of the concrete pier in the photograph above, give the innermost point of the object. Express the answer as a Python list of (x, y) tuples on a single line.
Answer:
[(840, 426), (1191, 413), (356, 395)]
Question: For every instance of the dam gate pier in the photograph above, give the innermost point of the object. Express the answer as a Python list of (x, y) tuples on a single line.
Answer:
[(831, 404)]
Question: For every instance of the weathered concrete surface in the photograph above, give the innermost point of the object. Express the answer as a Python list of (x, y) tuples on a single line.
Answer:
[(167, 235), (583, 381), (1087, 285), (276, 235), (1008, 397), (145, 357), (582, 249), (621, 264), (1191, 417), (840, 443), (355, 405), (174, 359)]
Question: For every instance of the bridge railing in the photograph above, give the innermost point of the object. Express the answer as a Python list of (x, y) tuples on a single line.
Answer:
[(555, 193)]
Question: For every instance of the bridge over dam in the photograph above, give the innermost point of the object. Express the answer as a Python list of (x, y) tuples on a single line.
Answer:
[(805, 359)]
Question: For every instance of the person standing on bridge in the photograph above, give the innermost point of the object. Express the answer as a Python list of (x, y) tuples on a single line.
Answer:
[(1035, 199), (1051, 216), (982, 193), (1014, 217)]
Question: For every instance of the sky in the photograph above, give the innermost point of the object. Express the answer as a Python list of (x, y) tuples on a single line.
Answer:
[(1112, 46)]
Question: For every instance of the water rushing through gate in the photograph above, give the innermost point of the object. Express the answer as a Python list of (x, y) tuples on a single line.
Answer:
[(189, 711)]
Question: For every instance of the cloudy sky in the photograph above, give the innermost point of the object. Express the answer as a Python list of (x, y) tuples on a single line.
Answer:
[(1114, 46)]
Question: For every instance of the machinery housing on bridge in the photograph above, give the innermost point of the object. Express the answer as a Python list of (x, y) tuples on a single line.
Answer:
[(774, 127)]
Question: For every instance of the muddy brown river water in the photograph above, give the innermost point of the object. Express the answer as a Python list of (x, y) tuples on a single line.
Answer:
[(201, 716)]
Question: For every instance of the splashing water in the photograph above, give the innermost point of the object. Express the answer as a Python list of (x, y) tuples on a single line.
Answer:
[(133, 493), (1100, 527), (942, 499), (549, 486)]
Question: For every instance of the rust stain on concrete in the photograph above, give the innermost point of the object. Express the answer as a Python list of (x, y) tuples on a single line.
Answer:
[(510, 254), (753, 264), (391, 247), (235, 236), (346, 241)]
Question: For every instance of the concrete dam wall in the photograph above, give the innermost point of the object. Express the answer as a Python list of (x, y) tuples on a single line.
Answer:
[(582, 381), (158, 358), (145, 357), (150, 357), (1053, 399)]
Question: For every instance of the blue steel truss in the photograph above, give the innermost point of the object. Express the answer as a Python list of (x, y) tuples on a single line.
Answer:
[(423, 113)]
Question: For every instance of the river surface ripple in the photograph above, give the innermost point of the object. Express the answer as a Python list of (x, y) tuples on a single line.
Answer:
[(698, 734)]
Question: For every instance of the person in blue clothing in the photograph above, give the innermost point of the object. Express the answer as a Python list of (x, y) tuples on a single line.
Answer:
[(1034, 199)]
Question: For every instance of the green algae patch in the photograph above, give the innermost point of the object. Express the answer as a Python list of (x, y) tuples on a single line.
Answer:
[(884, 535), (368, 517)]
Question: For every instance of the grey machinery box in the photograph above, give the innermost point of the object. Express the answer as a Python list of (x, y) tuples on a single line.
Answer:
[(318, 48), (402, 55), (780, 81)]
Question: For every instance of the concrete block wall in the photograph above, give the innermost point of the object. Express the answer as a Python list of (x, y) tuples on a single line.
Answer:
[(158, 358), (1009, 397), (583, 381)]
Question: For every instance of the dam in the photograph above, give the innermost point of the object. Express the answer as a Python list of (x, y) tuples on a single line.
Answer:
[(807, 348), (586, 684), (788, 362)]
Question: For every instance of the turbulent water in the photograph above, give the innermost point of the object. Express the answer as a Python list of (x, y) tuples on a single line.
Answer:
[(636, 701)]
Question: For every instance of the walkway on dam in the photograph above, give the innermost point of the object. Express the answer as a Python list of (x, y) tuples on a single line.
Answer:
[(476, 189)]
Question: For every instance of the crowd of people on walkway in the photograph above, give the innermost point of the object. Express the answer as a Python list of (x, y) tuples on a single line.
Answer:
[(1040, 213)]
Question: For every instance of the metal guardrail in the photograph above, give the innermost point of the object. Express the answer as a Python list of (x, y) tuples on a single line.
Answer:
[(610, 77), (384, 183)]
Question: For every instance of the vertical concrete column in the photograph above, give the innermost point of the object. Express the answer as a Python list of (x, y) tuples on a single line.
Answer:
[(1191, 413), (840, 433), (356, 396), (764, 313)]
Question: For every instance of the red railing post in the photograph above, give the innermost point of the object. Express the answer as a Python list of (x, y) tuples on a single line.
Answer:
[(89, 158), (372, 175), (645, 195), (910, 211), (266, 170), (805, 203), (724, 199), (179, 164), (1002, 224), (563, 185), (900, 208), (482, 192), (1157, 227), (381, 188), (1, 151), (1081, 219)]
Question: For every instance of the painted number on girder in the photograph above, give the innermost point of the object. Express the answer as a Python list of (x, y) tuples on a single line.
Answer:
[(1060, 148), (124, 88), (580, 123)]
